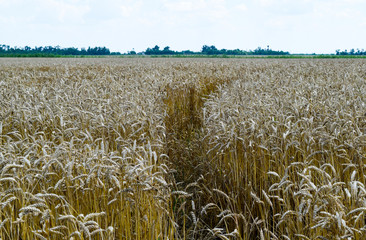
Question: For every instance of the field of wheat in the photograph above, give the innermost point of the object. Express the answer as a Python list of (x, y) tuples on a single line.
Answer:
[(182, 149)]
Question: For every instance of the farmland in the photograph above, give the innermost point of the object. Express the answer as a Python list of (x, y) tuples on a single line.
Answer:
[(146, 148)]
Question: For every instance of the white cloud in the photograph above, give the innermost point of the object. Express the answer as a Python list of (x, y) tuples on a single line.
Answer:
[(181, 6), (217, 10), (193, 12), (242, 7), (351, 1), (267, 3), (198, 6), (5, 3), (64, 10), (128, 10), (287, 7), (185, 5), (7, 20), (340, 9)]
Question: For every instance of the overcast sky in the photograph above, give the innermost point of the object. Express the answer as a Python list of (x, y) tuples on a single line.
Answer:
[(298, 26)]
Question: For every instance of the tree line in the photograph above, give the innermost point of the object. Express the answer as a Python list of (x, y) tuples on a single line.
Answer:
[(351, 52), (47, 51), (6, 50), (212, 50)]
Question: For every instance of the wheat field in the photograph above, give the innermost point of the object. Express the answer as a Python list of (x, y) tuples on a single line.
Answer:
[(146, 148)]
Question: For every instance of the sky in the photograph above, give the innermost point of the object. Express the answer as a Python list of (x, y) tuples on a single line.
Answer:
[(297, 26)]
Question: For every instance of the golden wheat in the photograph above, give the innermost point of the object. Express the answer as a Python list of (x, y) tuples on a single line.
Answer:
[(182, 149)]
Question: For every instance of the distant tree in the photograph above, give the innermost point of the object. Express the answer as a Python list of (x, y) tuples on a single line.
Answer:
[(268, 51), (98, 51), (188, 52), (153, 51), (351, 52), (259, 51), (209, 50), (167, 51), (2, 48), (156, 51)]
